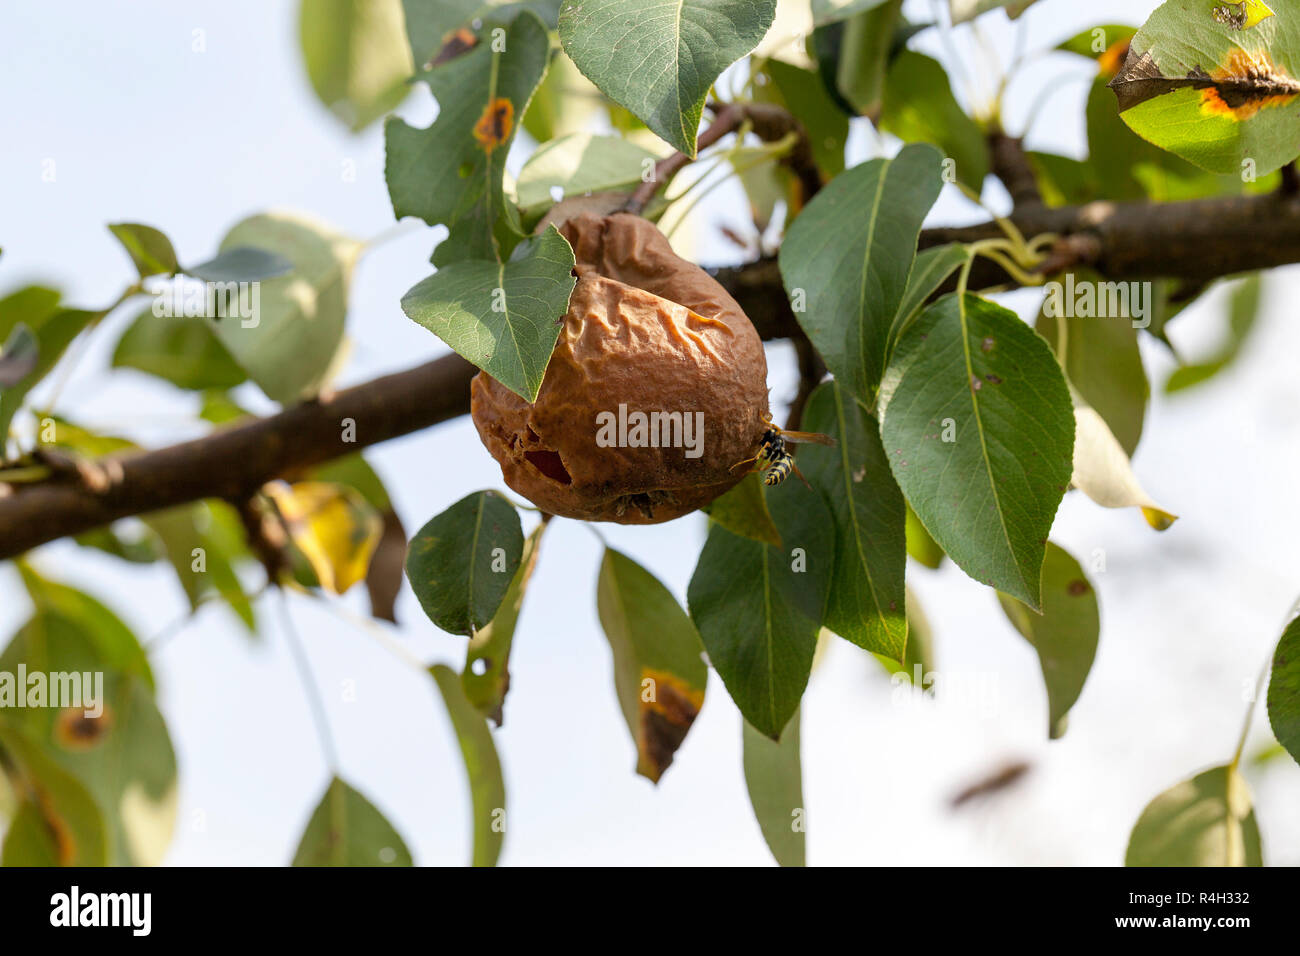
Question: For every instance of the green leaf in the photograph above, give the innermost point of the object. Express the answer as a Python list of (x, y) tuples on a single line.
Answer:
[(114, 645), (759, 609), (1064, 635), (72, 828), (1096, 42), (203, 562), (1243, 310), (803, 93), (503, 318), (774, 779), (743, 511), (346, 829), (963, 11), (150, 250), (1284, 690), (486, 787), (930, 270), (659, 58), (576, 165), (867, 597), (452, 172), (54, 329), (833, 11), (241, 264), (1216, 84), (918, 663), (1205, 821), (563, 105), (658, 671), (977, 421), (920, 545), (182, 350), (461, 563), (486, 676), (863, 59), (847, 258), (289, 347), (919, 107), (18, 356), (356, 55), (1100, 354)]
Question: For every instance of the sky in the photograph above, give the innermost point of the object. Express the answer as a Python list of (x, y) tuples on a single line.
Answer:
[(190, 117)]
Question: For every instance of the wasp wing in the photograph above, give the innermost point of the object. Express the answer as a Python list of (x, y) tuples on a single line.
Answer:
[(805, 437)]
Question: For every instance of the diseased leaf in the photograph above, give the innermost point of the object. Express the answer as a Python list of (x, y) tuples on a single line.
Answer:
[(461, 563), (658, 671), (356, 55), (919, 107), (150, 250), (346, 829), (1284, 690), (1216, 84), (743, 511), (1205, 821), (867, 597), (1102, 471), (503, 318), (976, 419), (433, 25), (774, 779), (451, 172), (847, 258), (486, 786), (659, 58), (289, 347), (759, 609), (486, 676), (72, 828), (336, 529), (1064, 636)]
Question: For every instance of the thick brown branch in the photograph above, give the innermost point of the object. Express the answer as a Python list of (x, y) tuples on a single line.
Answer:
[(1196, 241)]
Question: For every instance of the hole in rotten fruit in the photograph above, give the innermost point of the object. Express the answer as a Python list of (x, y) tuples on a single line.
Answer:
[(550, 465)]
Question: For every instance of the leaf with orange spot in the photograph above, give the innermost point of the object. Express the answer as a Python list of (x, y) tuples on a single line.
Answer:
[(1217, 84), (58, 822), (659, 673), (452, 172)]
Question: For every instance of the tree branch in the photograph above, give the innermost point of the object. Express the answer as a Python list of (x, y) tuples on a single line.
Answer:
[(1197, 240)]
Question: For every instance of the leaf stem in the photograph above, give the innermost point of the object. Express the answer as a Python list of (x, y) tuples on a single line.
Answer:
[(314, 699)]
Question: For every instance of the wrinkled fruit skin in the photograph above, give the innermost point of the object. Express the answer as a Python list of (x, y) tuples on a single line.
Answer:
[(650, 331)]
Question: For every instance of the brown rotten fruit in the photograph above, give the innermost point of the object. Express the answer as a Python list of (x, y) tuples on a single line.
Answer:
[(650, 332)]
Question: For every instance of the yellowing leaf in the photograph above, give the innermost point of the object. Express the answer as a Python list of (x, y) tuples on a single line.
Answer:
[(1102, 471), (334, 528)]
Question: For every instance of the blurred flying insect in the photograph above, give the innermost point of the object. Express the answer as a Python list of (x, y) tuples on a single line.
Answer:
[(774, 460)]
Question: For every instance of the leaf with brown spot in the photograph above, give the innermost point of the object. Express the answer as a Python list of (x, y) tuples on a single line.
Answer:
[(659, 671), (1217, 85)]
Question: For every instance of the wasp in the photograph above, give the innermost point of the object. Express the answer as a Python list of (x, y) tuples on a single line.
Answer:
[(774, 459)]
